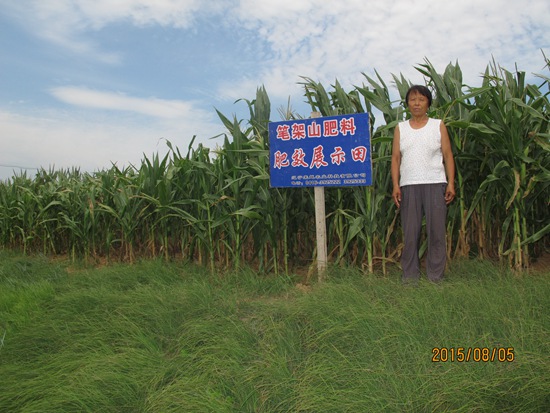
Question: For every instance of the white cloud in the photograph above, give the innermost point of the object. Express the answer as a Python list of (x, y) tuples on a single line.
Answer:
[(67, 139), (79, 15), (159, 108), (177, 13), (328, 40), (325, 40), (66, 22)]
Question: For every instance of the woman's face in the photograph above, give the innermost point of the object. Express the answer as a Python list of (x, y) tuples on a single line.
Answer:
[(418, 104)]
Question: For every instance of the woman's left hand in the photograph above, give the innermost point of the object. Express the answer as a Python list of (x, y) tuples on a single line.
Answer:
[(450, 194)]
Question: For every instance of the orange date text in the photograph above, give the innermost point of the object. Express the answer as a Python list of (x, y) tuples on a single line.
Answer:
[(475, 354)]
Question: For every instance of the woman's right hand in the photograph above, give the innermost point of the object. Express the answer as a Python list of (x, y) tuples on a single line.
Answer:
[(396, 195)]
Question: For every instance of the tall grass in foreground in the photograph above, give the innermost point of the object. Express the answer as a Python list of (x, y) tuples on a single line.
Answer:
[(167, 337)]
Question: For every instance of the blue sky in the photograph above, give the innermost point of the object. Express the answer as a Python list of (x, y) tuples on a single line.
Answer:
[(87, 83)]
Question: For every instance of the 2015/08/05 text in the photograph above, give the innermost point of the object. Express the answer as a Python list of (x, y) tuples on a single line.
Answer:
[(475, 354)]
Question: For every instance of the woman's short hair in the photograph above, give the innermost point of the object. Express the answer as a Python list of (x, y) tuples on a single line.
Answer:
[(423, 90)]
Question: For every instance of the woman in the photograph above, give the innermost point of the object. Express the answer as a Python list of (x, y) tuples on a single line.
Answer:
[(423, 173)]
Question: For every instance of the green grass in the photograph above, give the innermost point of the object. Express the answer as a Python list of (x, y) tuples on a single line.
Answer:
[(169, 337)]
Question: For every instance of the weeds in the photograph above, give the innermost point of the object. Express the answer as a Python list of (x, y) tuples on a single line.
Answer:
[(171, 337)]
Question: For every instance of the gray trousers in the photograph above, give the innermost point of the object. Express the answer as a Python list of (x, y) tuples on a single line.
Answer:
[(417, 201)]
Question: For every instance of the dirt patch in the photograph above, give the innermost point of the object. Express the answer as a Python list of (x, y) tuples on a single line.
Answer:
[(541, 264), (303, 287)]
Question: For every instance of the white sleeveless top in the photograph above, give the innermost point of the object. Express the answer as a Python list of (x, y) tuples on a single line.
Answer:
[(421, 157)]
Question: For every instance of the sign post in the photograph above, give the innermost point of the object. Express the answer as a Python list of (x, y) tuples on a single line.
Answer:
[(320, 225), (320, 152)]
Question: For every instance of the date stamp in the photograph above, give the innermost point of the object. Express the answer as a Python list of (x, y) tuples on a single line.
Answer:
[(475, 354)]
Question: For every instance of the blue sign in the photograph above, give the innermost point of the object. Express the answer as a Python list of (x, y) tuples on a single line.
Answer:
[(328, 151)]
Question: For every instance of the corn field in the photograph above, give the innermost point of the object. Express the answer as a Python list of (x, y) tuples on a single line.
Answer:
[(216, 207)]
